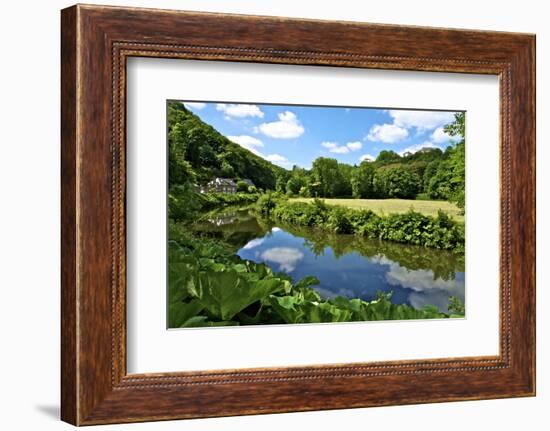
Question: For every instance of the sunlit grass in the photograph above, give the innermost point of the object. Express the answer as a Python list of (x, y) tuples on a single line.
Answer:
[(391, 206)]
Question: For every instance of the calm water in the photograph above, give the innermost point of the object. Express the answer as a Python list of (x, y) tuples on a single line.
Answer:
[(345, 265)]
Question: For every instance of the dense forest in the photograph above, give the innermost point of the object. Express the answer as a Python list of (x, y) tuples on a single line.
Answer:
[(198, 153)]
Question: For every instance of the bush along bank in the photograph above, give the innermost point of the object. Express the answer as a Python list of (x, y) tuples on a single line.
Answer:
[(211, 286), (184, 202), (440, 232)]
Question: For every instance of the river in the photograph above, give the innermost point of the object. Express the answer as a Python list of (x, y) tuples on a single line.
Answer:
[(345, 265)]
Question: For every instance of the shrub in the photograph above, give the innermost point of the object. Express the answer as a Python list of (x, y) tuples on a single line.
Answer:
[(242, 187), (339, 220), (412, 227), (267, 202), (456, 306), (183, 202)]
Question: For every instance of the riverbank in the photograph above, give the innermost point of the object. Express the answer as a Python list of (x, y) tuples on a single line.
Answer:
[(412, 227)]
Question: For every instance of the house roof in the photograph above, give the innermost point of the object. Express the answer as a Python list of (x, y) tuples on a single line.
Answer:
[(222, 182)]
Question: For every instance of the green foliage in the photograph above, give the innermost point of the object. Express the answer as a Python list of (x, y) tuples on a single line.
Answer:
[(339, 220), (295, 184), (456, 306), (281, 179), (396, 182), (458, 127), (362, 180), (180, 171), (330, 178), (211, 154), (214, 200), (386, 157), (242, 187), (446, 179), (296, 309), (267, 202), (184, 202), (301, 213), (411, 227), (210, 286)]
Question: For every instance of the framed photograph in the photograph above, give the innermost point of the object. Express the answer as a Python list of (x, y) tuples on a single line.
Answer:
[(258, 208)]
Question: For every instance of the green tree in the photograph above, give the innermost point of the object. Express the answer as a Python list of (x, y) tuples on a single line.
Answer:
[(457, 160), (386, 157), (397, 182), (361, 181), (295, 184), (458, 127), (326, 177), (449, 180), (227, 170), (281, 178), (429, 173), (343, 187)]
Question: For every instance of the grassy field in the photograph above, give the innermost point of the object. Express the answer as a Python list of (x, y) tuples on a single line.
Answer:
[(389, 206)]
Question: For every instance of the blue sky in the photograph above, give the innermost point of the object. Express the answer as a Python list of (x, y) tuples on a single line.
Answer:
[(290, 135)]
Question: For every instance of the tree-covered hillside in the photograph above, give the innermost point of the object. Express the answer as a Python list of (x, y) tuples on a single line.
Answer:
[(199, 153)]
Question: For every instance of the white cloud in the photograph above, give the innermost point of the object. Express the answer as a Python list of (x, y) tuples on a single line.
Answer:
[(279, 160), (329, 145), (340, 150), (387, 133), (252, 144), (440, 136), (249, 142), (286, 257), (415, 148), (421, 280), (354, 146), (367, 157), (425, 290), (334, 147), (276, 158), (288, 127), (421, 120), (240, 110), (254, 243), (246, 140), (195, 105)]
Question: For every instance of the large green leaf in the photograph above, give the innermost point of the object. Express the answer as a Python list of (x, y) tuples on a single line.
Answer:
[(288, 307), (227, 292), (181, 312), (294, 309)]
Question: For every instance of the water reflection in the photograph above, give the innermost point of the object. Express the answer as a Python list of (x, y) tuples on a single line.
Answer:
[(345, 265), (286, 257)]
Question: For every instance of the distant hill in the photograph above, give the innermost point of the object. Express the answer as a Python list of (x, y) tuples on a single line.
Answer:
[(195, 145)]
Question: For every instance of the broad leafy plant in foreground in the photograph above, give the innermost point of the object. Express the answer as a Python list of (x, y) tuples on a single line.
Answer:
[(211, 286)]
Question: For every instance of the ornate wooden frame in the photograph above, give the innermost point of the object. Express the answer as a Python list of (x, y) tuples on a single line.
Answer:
[(95, 43)]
